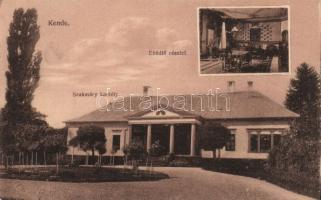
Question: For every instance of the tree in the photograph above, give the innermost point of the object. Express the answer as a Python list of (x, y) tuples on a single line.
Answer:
[(303, 97), (90, 137), (101, 147), (214, 136), (27, 137), (156, 150), (298, 154), (53, 141), (136, 152), (22, 76), (30, 139), (73, 142), (24, 67)]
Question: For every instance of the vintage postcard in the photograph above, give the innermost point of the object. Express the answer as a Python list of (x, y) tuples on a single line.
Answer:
[(138, 99)]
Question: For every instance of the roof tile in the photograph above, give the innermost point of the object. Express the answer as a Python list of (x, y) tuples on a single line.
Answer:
[(243, 105)]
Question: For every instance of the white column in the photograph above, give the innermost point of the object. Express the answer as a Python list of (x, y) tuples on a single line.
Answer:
[(171, 139), (149, 137), (193, 139), (129, 134), (223, 37)]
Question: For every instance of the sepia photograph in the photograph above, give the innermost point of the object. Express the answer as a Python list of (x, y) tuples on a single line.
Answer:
[(160, 100), (244, 40)]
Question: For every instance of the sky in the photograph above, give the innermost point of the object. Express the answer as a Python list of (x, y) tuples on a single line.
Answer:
[(106, 46)]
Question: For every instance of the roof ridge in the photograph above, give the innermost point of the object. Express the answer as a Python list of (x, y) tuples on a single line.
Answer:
[(234, 92), (244, 104)]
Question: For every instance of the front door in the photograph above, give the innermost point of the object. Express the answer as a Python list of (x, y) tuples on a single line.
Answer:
[(160, 132), (182, 139), (139, 134)]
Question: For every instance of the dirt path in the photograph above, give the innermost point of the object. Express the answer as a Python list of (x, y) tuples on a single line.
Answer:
[(185, 183)]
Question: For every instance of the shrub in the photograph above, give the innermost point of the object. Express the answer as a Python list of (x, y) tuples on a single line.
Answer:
[(136, 152), (157, 149), (245, 167), (295, 155), (295, 164)]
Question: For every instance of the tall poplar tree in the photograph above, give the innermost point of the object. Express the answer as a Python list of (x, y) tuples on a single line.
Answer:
[(22, 78), (24, 67)]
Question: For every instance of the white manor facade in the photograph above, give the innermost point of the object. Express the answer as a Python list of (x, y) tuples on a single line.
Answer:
[(256, 123)]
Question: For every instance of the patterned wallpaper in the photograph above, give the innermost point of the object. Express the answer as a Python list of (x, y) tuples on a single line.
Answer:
[(270, 31)]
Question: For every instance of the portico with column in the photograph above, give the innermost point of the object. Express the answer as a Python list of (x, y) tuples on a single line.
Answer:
[(175, 134)]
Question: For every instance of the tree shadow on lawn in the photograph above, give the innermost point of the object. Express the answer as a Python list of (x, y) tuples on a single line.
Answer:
[(83, 174)]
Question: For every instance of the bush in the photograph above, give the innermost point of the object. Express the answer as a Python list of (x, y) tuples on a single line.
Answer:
[(157, 149), (84, 174), (294, 164), (73, 165), (245, 167), (179, 163), (295, 155), (67, 174), (135, 151)]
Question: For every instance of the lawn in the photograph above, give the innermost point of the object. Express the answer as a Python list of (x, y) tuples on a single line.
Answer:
[(82, 174)]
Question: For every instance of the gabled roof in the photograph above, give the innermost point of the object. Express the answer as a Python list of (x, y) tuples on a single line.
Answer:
[(243, 105), (157, 107)]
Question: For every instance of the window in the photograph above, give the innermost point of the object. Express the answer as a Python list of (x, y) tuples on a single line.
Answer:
[(230, 145), (265, 143), (116, 142), (255, 34), (254, 143), (263, 140)]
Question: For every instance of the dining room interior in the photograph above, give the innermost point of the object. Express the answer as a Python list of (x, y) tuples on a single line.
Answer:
[(244, 40)]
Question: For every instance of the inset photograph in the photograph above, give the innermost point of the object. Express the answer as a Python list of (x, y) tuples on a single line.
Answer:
[(243, 40)]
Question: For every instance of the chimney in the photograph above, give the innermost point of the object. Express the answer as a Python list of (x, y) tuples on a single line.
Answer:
[(230, 86), (145, 90), (250, 86)]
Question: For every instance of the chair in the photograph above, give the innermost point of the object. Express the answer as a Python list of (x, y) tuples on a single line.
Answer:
[(232, 63), (267, 64)]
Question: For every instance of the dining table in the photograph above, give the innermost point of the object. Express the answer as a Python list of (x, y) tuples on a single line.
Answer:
[(236, 52)]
